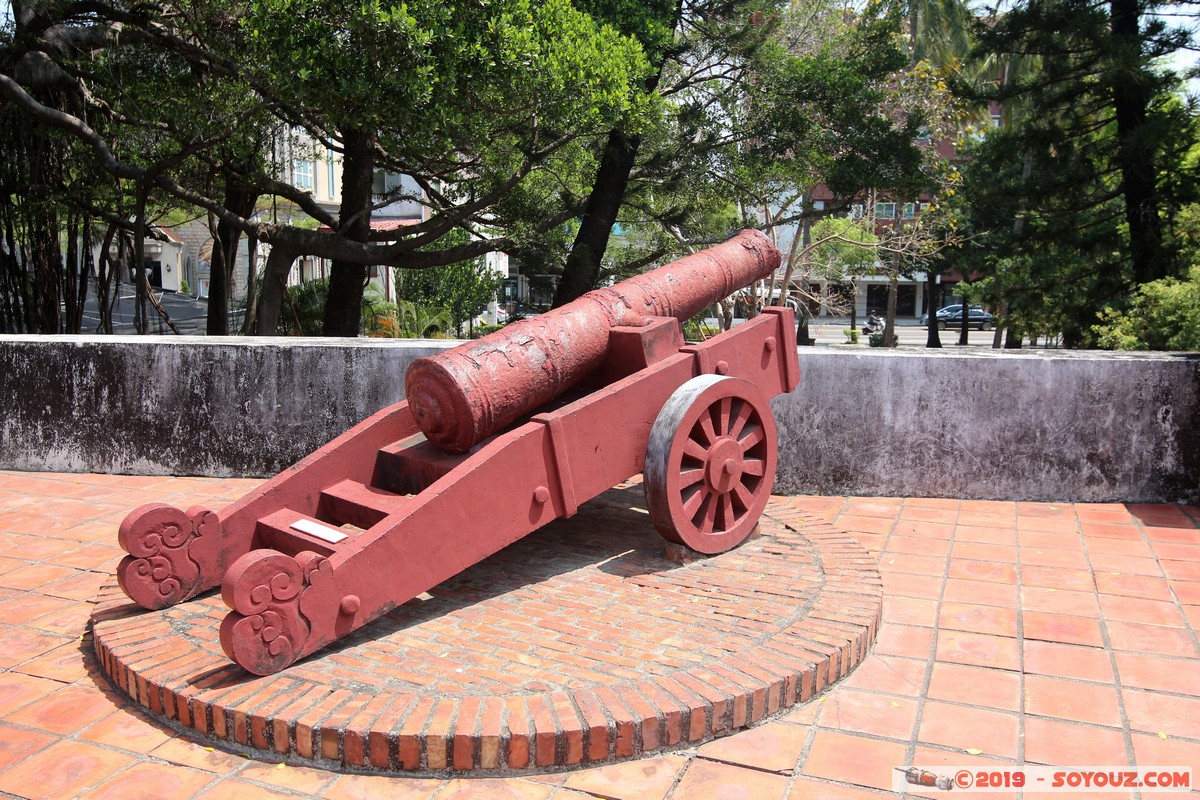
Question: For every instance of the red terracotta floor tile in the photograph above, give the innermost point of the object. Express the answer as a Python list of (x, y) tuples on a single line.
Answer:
[(1057, 578), (813, 789), (150, 781), (65, 769), (970, 533), (914, 564), (983, 571), (1061, 628), (17, 744), (1140, 671), (978, 618), (865, 524), (880, 673), (1126, 565), (22, 644), (1175, 570), (1188, 592), (926, 530), (35, 576), (1152, 712), (901, 584), (852, 759), (904, 640), (1103, 512), (1067, 661), (977, 551), (1058, 743), (1045, 557), (230, 789), (1050, 540), (1059, 601), (192, 753), (1142, 638), (909, 611), (914, 545), (978, 686), (1193, 616), (1134, 548), (307, 780), (128, 729), (1170, 551), (649, 778), (774, 747), (928, 513), (1152, 750), (710, 780), (1137, 609), (950, 725), (1120, 584), (855, 711), (1172, 535), (29, 605), (1072, 700), (64, 664), (980, 592), (936, 761), (978, 649), (65, 711)]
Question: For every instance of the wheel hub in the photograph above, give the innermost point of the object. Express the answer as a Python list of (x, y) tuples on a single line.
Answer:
[(724, 467)]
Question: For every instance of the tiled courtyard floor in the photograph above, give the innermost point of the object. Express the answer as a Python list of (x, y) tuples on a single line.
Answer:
[(1044, 633)]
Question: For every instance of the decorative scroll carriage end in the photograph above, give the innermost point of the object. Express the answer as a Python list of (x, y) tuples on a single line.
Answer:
[(283, 608), (173, 555)]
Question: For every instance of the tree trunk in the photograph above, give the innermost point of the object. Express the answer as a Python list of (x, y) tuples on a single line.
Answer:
[(582, 269), (932, 337), (966, 316), (248, 324), (343, 308), (226, 238), (279, 265), (889, 328), (1131, 98)]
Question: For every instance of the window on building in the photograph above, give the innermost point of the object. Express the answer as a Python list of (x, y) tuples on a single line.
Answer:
[(885, 211), (910, 210), (302, 174), (329, 171)]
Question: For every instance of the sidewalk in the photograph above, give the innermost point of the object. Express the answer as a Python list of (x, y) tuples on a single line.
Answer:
[(1039, 633)]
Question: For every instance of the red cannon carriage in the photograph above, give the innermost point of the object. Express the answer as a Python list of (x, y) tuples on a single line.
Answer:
[(497, 437)]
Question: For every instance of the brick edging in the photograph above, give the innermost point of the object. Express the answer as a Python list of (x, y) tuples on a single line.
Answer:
[(323, 711)]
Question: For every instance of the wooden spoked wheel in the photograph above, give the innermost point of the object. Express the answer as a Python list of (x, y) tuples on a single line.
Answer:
[(710, 463)]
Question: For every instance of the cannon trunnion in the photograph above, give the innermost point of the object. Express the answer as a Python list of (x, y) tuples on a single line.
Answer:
[(381, 514)]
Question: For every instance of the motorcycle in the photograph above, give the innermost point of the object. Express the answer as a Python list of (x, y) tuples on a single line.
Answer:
[(875, 324)]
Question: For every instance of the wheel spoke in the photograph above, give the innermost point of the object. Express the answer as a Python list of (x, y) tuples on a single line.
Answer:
[(706, 428), (722, 410), (754, 435), (727, 515), (740, 418), (708, 514), (696, 450), (744, 495), (688, 477), (692, 504), (754, 466)]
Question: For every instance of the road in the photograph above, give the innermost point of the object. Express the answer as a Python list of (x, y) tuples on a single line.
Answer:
[(188, 313)]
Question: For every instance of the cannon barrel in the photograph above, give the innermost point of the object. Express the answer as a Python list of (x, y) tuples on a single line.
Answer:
[(463, 395)]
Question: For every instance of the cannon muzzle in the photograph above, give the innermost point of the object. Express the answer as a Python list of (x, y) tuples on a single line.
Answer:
[(462, 396)]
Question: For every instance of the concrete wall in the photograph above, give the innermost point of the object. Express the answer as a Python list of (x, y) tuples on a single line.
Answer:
[(986, 424), (973, 424)]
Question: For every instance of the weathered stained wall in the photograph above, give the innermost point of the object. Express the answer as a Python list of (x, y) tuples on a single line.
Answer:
[(978, 424), (984, 424), (188, 405)]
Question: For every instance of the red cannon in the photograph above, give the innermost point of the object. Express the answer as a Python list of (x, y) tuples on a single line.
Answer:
[(498, 437)]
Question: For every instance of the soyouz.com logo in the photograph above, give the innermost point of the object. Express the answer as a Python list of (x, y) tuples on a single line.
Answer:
[(1044, 779)]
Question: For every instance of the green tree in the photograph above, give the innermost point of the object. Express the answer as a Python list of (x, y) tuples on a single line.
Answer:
[(472, 100), (1092, 163)]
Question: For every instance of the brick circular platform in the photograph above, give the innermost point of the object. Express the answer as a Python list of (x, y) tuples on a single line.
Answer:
[(580, 644)]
